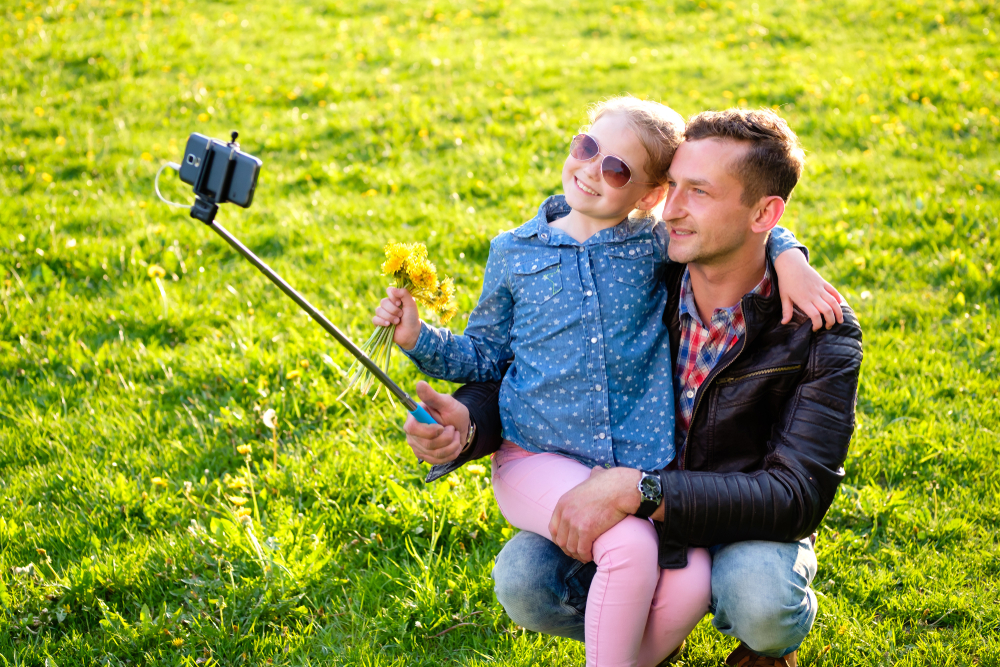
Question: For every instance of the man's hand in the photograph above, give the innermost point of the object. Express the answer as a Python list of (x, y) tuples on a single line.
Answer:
[(400, 309), (441, 442), (590, 509), (800, 285)]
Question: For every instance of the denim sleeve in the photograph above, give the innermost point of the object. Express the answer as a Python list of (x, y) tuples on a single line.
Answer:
[(482, 353), (781, 240)]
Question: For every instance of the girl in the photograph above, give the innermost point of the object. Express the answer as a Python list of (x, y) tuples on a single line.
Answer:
[(572, 301)]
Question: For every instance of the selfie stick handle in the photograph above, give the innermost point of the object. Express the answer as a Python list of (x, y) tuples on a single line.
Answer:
[(414, 408)]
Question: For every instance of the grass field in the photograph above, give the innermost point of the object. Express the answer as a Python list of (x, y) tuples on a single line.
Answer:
[(121, 409)]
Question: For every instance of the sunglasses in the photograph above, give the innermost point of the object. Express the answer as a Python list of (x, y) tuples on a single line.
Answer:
[(614, 170)]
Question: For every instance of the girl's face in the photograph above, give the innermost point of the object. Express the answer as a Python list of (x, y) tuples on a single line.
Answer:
[(585, 188)]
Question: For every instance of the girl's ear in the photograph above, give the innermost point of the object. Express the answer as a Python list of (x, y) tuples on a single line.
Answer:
[(649, 200)]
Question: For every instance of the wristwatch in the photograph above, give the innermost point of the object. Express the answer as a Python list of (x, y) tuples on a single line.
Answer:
[(651, 494), (471, 437)]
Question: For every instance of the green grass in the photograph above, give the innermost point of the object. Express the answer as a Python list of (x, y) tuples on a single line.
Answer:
[(445, 122)]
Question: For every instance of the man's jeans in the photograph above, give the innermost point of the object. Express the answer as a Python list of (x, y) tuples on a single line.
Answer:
[(760, 590)]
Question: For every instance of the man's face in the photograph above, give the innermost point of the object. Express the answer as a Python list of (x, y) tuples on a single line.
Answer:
[(703, 212)]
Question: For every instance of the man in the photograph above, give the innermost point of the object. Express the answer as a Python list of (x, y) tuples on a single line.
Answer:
[(765, 413)]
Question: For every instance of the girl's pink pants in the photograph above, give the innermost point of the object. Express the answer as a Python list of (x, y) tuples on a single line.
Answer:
[(637, 614)]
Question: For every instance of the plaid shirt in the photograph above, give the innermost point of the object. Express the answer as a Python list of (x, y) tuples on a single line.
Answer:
[(701, 347)]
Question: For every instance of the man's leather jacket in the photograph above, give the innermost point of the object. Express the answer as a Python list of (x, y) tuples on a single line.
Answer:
[(768, 437)]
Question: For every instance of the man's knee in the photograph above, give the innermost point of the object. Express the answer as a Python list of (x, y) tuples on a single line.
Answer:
[(530, 579), (760, 593)]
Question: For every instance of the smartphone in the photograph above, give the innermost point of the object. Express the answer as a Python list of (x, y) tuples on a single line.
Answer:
[(220, 172)]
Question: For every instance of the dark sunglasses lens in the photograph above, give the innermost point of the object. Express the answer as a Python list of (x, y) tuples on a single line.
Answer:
[(583, 147), (616, 172)]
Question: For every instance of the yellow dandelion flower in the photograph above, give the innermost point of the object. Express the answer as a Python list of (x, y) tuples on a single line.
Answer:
[(238, 482), (476, 469), (158, 481), (156, 271), (244, 449), (293, 374), (447, 314), (422, 273), (242, 512), (395, 257), (239, 501), (178, 642), (304, 363), (445, 300)]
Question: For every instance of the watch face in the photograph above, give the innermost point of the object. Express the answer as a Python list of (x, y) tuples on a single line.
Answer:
[(650, 487)]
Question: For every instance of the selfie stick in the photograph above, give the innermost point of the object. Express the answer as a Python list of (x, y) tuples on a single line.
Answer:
[(205, 210)]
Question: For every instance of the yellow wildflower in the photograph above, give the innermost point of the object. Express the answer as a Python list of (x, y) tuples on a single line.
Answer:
[(448, 313), (476, 469), (395, 257), (239, 501), (155, 271), (178, 642), (244, 449), (242, 512), (293, 374), (422, 273)]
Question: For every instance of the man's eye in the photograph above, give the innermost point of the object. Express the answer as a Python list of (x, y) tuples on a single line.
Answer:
[(699, 191)]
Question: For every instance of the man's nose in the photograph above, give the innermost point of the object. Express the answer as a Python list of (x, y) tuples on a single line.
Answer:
[(673, 208)]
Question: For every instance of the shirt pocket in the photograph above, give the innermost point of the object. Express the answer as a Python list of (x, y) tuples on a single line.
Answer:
[(537, 277), (632, 263)]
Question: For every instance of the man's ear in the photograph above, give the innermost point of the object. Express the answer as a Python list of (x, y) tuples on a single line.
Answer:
[(767, 214), (651, 198)]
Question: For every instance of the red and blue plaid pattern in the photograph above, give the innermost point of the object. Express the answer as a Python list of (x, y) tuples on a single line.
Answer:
[(701, 347)]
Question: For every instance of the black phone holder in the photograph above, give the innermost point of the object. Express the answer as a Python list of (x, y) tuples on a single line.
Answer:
[(206, 202)]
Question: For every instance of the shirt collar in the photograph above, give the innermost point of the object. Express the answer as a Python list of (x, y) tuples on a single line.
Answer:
[(555, 207), (689, 307)]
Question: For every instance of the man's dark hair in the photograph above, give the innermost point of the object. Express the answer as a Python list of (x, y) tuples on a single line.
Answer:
[(773, 161)]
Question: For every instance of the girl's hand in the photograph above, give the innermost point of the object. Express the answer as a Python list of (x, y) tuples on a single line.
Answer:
[(400, 309), (801, 286)]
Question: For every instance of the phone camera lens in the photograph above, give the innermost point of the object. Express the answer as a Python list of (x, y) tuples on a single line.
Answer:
[(190, 158)]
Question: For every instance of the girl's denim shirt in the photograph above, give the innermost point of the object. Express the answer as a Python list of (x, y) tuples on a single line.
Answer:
[(591, 376)]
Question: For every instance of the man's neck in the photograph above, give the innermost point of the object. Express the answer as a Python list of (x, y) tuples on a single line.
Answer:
[(723, 284)]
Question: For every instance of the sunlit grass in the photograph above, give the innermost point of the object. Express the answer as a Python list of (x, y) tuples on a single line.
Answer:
[(138, 352)]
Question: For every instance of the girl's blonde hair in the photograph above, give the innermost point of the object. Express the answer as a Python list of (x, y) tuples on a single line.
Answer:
[(659, 128)]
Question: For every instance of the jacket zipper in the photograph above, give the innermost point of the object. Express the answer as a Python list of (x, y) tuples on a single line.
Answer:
[(765, 371), (701, 392)]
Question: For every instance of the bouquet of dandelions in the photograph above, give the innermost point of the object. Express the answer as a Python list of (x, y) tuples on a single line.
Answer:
[(408, 265)]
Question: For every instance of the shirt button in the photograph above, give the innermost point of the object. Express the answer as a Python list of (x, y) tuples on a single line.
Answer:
[(580, 249), (601, 436), (589, 293), (545, 236), (593, 340), (690, 394), (597, 387)]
